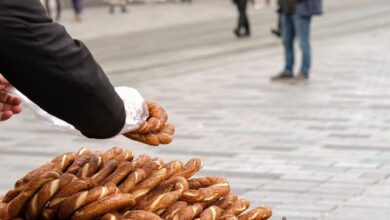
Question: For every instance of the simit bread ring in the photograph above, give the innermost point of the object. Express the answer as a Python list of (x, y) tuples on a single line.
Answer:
[(260, 213), (106, 205)]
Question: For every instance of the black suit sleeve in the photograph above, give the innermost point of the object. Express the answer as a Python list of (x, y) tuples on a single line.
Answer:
[(56, 72)]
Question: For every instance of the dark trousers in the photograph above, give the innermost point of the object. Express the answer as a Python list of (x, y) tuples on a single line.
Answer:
[(58, 9), (243, 21), (77, 6)]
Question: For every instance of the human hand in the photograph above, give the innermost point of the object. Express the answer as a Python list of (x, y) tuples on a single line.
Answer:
[(155, 130), (9, 104)]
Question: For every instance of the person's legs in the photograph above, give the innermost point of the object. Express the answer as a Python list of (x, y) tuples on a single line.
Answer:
[(241, 19), (59, 8), (288, 35), (123, 5), (245, 17), (47, 6), (302, 26), (78, 8)]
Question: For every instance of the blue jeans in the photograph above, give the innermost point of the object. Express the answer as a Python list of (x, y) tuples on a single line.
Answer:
[(295, 25), (77, 6)]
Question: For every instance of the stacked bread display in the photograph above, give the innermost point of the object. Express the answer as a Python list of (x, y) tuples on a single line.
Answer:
[(114, 185)]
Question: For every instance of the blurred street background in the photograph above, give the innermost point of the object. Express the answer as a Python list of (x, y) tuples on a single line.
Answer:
[(310, 150)]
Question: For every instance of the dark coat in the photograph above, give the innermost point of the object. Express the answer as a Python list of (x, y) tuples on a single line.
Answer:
[(56, 72), (308, 7)]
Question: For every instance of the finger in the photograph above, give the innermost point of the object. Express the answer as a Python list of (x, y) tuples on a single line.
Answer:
[(16, 109), (9, 98), (14, 100), (5, 115)]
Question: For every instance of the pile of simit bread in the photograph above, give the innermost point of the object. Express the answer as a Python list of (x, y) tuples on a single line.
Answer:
[(114, 185)]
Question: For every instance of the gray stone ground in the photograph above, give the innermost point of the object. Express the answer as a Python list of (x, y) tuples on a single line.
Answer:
[(316, 150)]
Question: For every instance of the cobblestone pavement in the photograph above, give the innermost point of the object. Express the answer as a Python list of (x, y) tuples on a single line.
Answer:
[(316, 150)]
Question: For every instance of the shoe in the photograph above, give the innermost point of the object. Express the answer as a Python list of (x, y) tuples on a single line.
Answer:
[(282, 76), (275, 32), (246, 34), (302, 76), (237, 33)]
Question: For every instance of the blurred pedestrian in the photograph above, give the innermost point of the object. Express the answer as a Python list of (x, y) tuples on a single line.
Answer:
[(296, 19), (186, 1), (122, 4), (78, 9), (278, 30), (56, 5), (243, 21)]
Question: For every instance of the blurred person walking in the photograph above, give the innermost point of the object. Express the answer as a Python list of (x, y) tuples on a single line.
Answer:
[(186, 1), (243, 21), (53, 8), (118, 3), (278, 30), (296, 19), (78, 9)]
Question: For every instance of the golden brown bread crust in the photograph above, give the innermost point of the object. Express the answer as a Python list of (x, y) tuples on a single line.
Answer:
[(173, 210), (47, 191), (236, 208), (81, 199), (105, 205), (140, 214), (155, 130), (14, 207), (260, 213), (113, 186), (211, 213)]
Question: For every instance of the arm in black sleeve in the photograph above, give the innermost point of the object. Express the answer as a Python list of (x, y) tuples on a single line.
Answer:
[(56, 72)]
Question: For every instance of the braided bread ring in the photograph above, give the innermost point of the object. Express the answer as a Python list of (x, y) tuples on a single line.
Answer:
[(58, 163), (162, 200), (226, 201), (139, 214), (81, 199), (64, 161), (189, 212), (47, 191), (260, 213), (107, 169), (167, 186), (164, 136), (191, 168), (147, 185), (74, 187), (156, 121), (173, 210), (126, 155), (173, 168), (121, 172), (132, 180), (217, 187), (111, 216), (211, 213), (21, 183), (152, 166), (86, 157), (110, 154), (90, 167), (106, 205), (236, 209), (14, 207), (142, 160)]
